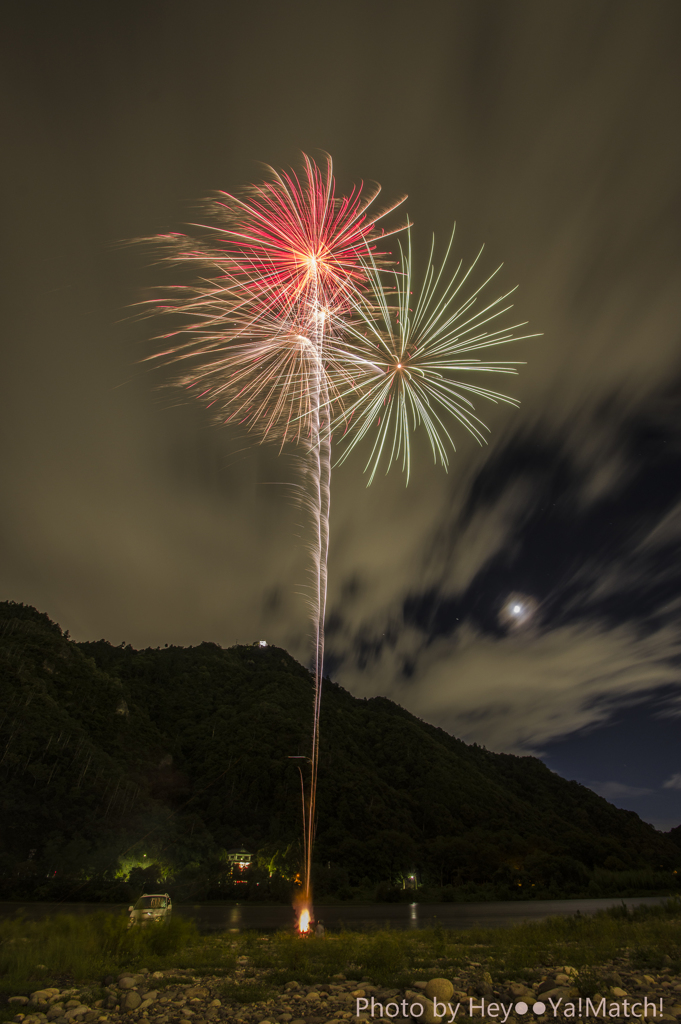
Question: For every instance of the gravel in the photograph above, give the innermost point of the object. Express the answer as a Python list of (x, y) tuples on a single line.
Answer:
[(137, 999)]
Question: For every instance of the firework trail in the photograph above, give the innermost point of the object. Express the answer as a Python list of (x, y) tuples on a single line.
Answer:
[(279, 268), (297, 329)]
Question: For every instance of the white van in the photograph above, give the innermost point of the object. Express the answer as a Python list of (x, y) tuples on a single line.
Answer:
[(150, 909)]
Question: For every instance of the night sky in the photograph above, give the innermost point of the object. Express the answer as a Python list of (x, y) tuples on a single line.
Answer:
[(548, 131)]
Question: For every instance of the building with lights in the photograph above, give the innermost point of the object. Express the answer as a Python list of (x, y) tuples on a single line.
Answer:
[(239, 858)]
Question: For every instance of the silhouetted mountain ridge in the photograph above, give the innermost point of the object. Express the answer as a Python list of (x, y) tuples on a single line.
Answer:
[(179, 754)]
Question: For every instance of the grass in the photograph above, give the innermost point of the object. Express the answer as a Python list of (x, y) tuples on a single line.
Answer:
[(87, 948), (67, 950)]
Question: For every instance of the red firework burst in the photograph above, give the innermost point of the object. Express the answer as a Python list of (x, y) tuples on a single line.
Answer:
[(281, 263), (290, 240)]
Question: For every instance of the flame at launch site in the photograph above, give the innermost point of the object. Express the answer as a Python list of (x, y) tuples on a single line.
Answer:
[(304, 920)]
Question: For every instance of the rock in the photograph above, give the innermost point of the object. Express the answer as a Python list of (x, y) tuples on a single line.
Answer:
[(215, 1002), (130, 1001), (77, 1012), (649, 980), (290, 985), (420, 984), (520, 991), (618, 992), (42, 995), (560, 992), (358, 993), (197, 992), (312, 996), (126, 982), (428, 1015), (21, 1000), (439, 988), (482, 986)]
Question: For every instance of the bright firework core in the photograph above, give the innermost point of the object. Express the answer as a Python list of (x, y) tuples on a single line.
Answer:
[(304, 920)]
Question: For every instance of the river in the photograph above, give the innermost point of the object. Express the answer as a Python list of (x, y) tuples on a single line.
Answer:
[(363, 916)]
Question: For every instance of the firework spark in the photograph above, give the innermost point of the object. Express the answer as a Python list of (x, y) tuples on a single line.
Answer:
[(279, 267), (410, 359)]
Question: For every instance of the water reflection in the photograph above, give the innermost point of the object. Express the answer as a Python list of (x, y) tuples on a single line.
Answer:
[(371, 916), (368, 916)]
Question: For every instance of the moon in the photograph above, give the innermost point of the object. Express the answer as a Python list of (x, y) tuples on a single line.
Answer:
[(518, 611)]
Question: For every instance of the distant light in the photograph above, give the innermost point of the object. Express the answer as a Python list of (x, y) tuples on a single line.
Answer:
[(262, 643), (518, 611)]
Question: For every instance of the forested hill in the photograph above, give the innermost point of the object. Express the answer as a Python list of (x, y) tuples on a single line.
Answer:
[(114, 759)]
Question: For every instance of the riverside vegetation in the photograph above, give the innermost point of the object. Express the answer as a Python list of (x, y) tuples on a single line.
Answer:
[(127, 770), (93, 969)]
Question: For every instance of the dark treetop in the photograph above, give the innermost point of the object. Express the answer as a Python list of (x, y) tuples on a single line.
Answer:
[(115, 758)]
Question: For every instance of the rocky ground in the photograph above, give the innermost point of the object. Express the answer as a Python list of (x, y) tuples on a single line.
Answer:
[(179, 997)]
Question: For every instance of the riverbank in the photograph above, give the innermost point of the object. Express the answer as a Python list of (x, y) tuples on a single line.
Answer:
[(92, 970)]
